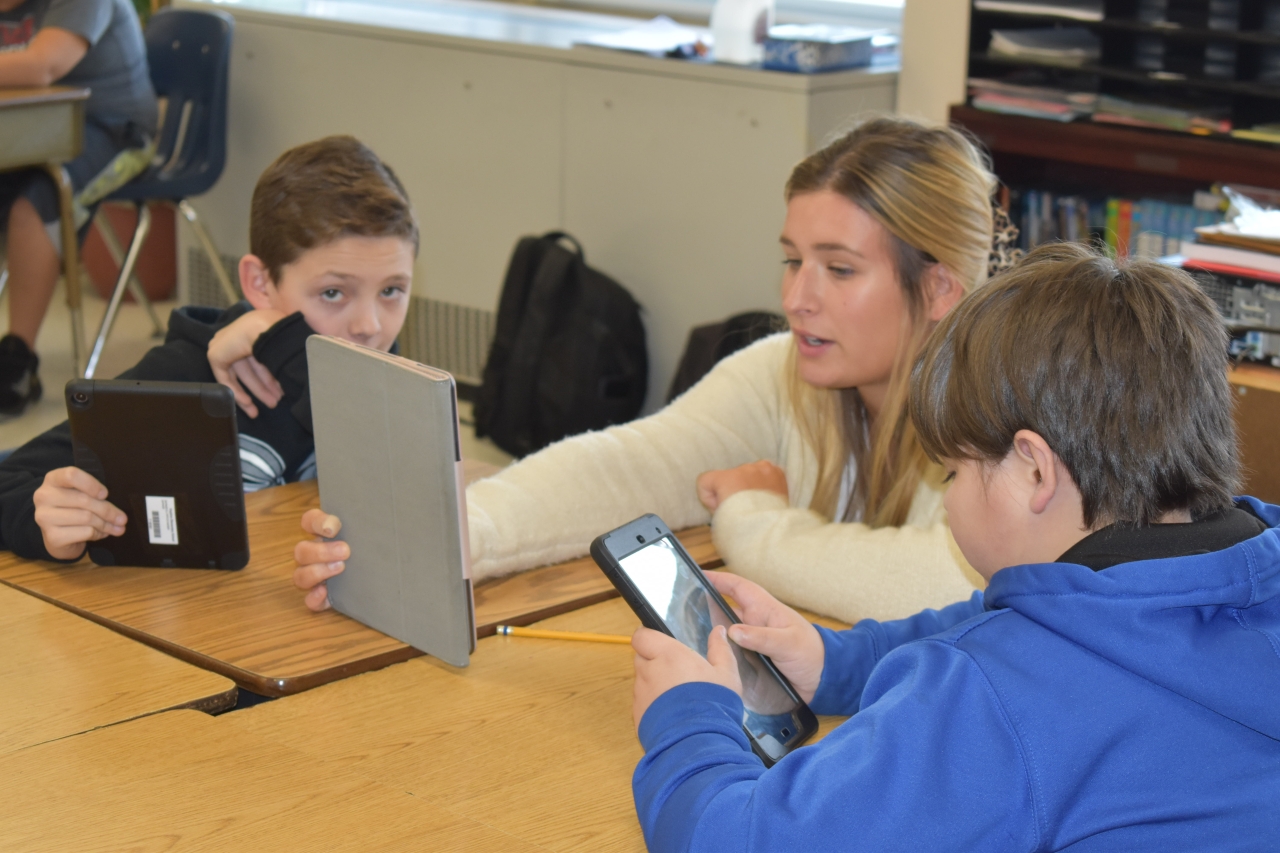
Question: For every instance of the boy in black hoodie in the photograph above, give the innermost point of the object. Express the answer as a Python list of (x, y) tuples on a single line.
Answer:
[(332, 241)]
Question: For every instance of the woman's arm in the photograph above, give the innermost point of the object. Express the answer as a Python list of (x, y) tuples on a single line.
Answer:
[(848, 571), (549, 506)]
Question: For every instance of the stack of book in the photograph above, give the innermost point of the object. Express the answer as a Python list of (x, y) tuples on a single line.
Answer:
[(1044, 217), (1153, 229)]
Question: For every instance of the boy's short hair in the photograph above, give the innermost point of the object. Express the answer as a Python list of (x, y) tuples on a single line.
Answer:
[(321, 191), (1121, 368)]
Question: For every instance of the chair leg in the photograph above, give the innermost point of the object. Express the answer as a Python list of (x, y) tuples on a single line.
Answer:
[(117, 294), (108, 233), (70, 260), (189, 213)]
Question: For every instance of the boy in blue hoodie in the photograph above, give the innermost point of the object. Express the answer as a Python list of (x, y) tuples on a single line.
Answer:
[(1117, 685)]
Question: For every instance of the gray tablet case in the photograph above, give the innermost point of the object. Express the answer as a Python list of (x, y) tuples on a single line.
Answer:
[(390, 467)]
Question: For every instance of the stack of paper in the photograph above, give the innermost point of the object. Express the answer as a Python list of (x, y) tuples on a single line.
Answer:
[(1079, 10), (658, 37), (1035, 101), (1120, 111), (1058, 45)]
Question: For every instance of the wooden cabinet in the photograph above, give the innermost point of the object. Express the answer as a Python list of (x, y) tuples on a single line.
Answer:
[(1258, 420)]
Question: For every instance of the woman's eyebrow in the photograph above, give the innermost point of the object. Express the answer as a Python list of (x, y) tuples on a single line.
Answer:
[(838, 247)]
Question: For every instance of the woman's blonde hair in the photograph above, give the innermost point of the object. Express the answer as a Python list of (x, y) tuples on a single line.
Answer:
[(930, 188)]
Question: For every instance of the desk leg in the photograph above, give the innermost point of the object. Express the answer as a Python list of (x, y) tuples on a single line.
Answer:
[(70, 261)]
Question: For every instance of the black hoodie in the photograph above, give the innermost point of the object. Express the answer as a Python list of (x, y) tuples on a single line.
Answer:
[(275, 447)]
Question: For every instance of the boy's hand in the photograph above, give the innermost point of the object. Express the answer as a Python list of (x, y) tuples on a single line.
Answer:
[(775, 630), (72, 509), (317, 559), (715, 487), (231, 357), (663, 662)]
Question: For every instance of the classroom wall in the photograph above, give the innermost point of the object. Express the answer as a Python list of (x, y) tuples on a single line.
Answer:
[(935, 47), (671, 177)]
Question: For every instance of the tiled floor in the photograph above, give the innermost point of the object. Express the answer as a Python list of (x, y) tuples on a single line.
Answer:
[(129, 341)]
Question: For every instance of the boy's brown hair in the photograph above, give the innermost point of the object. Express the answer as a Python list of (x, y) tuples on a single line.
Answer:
[(321, 191), (1121, 368)]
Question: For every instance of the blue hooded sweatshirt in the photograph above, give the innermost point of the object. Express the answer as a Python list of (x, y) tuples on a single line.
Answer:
[(1131, 709)]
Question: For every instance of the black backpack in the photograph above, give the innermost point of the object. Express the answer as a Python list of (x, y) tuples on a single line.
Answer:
[(714, 341), (568, 351)]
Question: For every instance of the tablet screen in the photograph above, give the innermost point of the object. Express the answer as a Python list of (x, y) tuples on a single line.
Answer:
[(673, 589)]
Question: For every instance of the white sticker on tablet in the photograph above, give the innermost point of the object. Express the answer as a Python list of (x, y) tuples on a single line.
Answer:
[(162, 521)]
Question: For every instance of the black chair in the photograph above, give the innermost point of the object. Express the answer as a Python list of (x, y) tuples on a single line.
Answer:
[(189, 54)]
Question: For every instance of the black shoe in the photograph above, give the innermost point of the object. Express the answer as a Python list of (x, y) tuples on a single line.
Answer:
[(19, 384)]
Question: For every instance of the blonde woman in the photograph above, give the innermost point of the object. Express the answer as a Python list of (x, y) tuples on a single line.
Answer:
[(811, 472)]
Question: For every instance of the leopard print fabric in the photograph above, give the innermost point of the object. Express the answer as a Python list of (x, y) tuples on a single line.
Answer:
[(1004, 242)]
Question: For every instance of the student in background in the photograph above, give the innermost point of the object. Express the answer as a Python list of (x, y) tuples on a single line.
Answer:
[(332, 241), (1117, 687), (886, 229), (92, 43)]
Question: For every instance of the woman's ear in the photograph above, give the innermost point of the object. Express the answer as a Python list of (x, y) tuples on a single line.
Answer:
[(943, 290), (255, 282)]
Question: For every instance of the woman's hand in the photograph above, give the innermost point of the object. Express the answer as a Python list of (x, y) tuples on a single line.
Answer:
[(231, 357), (72, 509), (663, 662), (715, 487), (775, 630), (317, 559)]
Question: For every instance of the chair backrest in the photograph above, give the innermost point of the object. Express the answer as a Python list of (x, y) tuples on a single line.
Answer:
[(189, 53)]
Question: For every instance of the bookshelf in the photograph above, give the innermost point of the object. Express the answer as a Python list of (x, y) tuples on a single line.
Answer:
[(1157, 52), (1086, 156)]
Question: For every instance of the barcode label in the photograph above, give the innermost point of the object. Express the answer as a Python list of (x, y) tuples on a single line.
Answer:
[(163, 518)]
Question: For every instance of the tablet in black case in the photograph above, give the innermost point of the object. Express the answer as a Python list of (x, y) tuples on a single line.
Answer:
[(169, 456)]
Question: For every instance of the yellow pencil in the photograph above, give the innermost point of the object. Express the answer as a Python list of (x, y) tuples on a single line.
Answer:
[(514, 631)]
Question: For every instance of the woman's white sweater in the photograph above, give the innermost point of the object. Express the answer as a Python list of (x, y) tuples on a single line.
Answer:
[(549, 506)]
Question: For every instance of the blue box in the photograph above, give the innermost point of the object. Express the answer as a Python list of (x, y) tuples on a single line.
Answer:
[(811, 48)]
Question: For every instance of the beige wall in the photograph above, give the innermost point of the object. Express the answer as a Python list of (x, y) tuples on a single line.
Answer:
[(935, 45)]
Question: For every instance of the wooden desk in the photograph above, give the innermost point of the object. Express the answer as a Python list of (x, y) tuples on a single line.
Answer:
[(251, 625), (534, 738), (184, 781), (44, 128), (61, 675)]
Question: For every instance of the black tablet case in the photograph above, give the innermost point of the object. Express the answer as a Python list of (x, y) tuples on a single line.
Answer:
[(174, 440)]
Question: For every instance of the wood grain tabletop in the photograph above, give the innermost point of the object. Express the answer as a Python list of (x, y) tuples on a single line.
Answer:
[(61, 675), (534, 738), (184, 781), (251, 625)]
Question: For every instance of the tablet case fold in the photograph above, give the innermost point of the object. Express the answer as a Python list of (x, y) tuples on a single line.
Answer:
[(390, 467)]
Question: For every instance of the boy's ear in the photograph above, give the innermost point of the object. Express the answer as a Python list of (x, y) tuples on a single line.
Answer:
[(255, 282), (1039, 469), (943, 289)]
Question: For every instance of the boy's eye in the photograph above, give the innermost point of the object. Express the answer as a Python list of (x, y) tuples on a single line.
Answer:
[(840, 271), (791, 263), (951, 475), (331, 295), (392, 291)]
